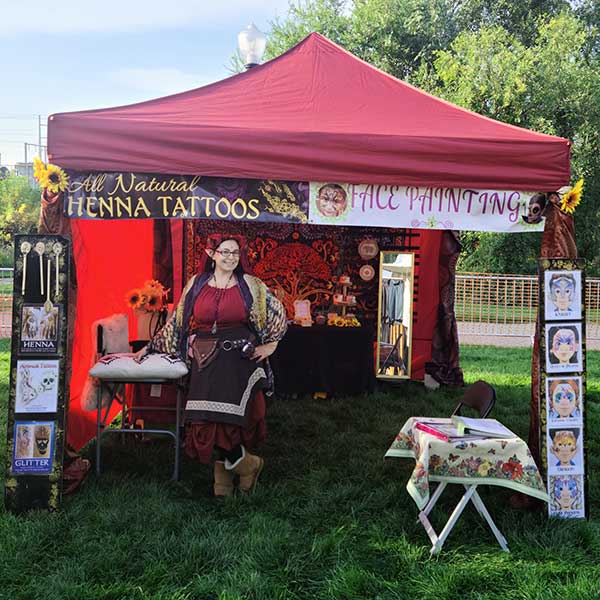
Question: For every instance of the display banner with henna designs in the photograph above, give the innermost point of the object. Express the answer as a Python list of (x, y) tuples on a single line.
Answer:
[(562, 385), (38, 392), (155, 196)]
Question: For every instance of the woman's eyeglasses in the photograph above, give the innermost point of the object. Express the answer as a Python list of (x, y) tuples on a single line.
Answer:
[(227, 253)]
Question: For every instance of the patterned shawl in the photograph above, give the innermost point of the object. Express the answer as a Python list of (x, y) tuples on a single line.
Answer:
[(266, 315)]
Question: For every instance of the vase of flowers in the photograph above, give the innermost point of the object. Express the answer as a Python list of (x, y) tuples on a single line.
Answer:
[(149, 304)]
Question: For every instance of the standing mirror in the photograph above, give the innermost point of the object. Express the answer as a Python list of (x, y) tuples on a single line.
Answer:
[(394, 315)]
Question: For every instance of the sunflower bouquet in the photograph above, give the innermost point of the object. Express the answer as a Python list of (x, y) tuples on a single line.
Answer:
[(151, 297), (343, 321), (50, 177)]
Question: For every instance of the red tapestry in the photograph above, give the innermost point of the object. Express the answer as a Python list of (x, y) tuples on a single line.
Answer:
[(304, 262)]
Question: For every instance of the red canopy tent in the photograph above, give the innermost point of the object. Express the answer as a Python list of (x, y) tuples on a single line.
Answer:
[(316, 113)]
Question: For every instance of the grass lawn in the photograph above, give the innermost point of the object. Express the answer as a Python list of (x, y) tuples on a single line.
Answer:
[(330, 519)]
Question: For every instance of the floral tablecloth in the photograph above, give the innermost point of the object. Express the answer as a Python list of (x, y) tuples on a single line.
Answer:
[(506, 462)]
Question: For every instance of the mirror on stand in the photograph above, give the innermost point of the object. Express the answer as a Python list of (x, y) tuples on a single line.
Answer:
[(394, 315)]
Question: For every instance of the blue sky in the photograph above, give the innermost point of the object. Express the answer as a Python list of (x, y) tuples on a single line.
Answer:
[(72, 55)]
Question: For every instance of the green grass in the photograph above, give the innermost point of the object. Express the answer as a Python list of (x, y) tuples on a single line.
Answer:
[(330, 519)]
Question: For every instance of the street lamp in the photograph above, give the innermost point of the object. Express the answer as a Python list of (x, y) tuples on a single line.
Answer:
[(251, 45)]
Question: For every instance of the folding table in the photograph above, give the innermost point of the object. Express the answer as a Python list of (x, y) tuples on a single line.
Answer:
[(469, 462)]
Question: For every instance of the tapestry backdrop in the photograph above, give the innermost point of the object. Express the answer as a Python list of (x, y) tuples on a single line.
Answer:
[(301, 262)]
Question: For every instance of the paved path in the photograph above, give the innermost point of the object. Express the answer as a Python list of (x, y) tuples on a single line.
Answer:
[(515, 336)]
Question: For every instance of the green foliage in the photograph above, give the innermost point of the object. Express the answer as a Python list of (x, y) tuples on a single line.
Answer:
[(531, 63), (499, 252), (19, 213)]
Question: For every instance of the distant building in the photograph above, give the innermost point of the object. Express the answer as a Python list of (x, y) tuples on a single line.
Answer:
[(25, 170)]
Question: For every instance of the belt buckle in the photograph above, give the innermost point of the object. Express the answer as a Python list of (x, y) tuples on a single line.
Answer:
[(227, 345)]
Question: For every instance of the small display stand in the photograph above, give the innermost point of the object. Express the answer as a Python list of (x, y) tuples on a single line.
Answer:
[(38, 392), (342, 298)]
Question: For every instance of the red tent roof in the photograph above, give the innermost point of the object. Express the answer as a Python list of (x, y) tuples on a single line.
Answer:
[(315, 113)]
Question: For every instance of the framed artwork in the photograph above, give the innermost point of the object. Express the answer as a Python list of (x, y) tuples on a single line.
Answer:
[(37, 386), (33, 449), (567, 499), (562, 295), (565, 450), (39, 329), (563, 347), (564, 401), (302, 312)]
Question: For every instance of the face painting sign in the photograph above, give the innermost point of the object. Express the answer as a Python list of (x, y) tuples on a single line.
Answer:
[(147, 196), (420, 207)]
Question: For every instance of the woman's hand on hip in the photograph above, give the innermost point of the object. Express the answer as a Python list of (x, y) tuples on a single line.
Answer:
[(263, 351), (140, 354)]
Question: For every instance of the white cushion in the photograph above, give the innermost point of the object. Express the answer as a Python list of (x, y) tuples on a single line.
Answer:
[(152, 367)]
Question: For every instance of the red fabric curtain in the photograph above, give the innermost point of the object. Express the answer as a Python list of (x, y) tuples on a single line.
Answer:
[(425, 309), (111, 257)]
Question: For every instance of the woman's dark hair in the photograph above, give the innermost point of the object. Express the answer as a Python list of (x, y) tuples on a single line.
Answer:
[(213, 244)]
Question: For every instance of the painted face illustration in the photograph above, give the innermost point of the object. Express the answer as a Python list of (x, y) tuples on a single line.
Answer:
[(562, 291), (564, 400), (564, 447), (42, 439), (565, 492), (331, 200), (564, 345)]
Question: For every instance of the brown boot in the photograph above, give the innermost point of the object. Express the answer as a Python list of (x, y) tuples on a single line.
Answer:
[(248, 468), (223, 485)]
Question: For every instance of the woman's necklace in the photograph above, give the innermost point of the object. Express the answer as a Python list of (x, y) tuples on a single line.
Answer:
[(218, 295)]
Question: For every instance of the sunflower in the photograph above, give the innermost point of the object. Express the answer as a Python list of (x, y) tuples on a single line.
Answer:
[(54, 179), (39, 168), (572, 198), (153, 302), (154, 284), (134, 298)]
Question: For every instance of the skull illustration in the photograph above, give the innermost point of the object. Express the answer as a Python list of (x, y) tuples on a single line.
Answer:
[(48, 381)]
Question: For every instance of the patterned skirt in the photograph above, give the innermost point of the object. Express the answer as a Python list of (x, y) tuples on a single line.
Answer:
[(225, 404)]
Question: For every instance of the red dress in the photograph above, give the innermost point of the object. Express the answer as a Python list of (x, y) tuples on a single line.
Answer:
[(203, 436)]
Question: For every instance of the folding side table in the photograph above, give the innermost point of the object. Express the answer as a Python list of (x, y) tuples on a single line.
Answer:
[(469, 462)]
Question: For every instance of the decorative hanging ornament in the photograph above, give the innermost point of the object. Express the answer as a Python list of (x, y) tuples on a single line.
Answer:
[(368, 248), (57, 248), (366, 272), (40, 249), (25, 250), (48, 304)]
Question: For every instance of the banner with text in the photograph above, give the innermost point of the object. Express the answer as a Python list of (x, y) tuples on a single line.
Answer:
[(147, 196), (420, 207)]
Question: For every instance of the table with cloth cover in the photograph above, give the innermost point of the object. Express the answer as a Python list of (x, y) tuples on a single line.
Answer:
[(324, 358), (471, 462)]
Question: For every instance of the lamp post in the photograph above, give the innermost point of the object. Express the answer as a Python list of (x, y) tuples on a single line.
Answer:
[(251, 45)]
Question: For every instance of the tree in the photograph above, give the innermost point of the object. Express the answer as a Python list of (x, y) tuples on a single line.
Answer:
[(19, 213), (550, 86)]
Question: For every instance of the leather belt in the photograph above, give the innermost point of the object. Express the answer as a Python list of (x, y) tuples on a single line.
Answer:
[(228, 345)]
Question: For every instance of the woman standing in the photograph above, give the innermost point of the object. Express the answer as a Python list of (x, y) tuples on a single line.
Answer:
[(226, 325)]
